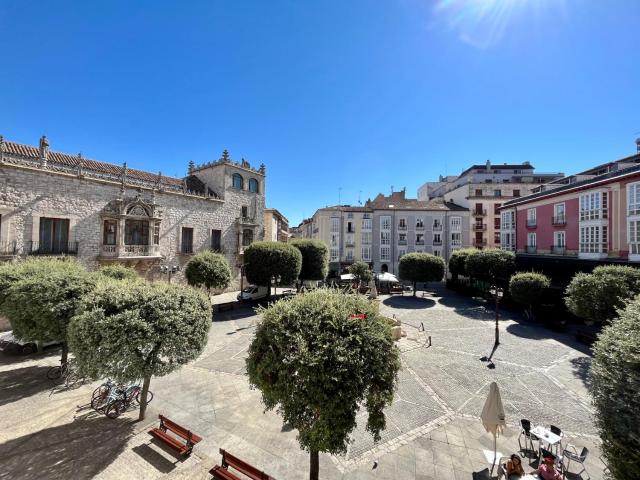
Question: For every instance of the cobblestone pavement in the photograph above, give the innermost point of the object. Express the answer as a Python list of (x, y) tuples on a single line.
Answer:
[(433, 431)]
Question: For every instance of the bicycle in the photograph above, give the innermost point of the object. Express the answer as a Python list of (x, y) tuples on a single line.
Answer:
[(67, 372), (118, 398)]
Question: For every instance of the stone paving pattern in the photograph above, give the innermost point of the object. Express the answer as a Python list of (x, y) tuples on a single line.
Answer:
[(433, 431)]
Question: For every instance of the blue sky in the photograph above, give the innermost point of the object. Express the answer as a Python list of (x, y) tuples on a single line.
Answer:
[(360, 95)]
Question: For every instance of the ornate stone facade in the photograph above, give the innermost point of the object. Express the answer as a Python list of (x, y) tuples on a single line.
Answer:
[(58, 204)]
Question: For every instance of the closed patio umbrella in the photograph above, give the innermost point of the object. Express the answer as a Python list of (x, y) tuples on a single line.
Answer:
[(492, 417)]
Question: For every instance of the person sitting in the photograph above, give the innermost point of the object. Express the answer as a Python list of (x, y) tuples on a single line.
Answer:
[(547, 470), (514, 468)]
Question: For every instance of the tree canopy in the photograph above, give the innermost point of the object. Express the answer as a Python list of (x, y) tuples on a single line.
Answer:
[(614, 385), (490, 265), (361, 272), (264, 260), (528, 288), (119, 272), (208, 269), (40, 296), (130, 330), (457, 261), (598, 295), (315, 259), (317, 365), (421, 267)]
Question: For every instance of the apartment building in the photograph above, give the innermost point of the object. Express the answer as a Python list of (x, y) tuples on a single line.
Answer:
[(592, 215), (276, 226), (483, 189)]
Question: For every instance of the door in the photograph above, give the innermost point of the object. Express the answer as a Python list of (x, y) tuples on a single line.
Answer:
[(216, 237), (54, 235)]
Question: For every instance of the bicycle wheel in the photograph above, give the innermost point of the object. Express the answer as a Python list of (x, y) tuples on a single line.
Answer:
[(100, 398), (149, 396), (115, 409), (71, 379), (54, 373)]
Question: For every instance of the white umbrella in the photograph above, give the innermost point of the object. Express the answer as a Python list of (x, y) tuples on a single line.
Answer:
[(387, 277), (346, 276), (492, 417)]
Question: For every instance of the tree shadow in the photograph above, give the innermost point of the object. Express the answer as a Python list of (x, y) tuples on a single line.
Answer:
[(23, 382), (7, 358), (539, 332), (153, 458), (408, 303), (80, 449), (581, 367)]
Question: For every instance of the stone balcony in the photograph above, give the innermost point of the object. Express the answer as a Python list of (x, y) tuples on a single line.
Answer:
[(130, 252)]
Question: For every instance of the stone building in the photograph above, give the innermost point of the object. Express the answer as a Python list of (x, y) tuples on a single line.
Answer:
[(58, 204)]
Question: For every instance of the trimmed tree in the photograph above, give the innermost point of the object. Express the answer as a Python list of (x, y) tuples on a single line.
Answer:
[(137, 330), (490, 265), (317, 365), (614, 385), (457, 261), (208, 269), (265, 260), (119, 272), (598, 295), (421, 267), (527, 289), (40, 296), (315, 259), (361, 272)]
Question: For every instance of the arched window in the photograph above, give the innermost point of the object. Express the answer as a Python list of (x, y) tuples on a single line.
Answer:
[(253, 185), (237, 181)]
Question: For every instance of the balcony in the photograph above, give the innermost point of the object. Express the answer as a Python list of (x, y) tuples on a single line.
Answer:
[(435, 242), (420, 226), (349, 243), (8, 248), (559, 220), (249, 221), (402, 242), (532, 223), (479, 227), (480, 212), (35, 248), (402, 227), (437, 228), (508, 248), (479, 243), (532, 249), (558, 250), (118, 252)]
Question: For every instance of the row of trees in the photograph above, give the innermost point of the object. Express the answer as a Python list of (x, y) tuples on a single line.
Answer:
[(116, 324)]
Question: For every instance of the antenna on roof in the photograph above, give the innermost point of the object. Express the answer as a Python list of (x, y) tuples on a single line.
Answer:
[(391, 188), (359, 193)]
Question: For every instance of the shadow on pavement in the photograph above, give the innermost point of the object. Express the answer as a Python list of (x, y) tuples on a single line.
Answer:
[(78, 450), (153, 458), (14, 358), (22, 382), (408, 303), (535, 331), (581, 366)]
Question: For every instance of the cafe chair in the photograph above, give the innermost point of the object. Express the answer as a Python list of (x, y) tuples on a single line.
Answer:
[(528, 436), (557, 431), (572, 455)]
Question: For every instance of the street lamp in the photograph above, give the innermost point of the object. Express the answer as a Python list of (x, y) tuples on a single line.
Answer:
[(169, 270), (240, 267), (497, 293), (275, 280)]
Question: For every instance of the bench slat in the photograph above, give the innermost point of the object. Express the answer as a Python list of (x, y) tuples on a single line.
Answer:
[(243, 467), (179, 430), (222, 474), (172, 442)]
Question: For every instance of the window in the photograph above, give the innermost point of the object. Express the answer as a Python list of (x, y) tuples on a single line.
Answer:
[(478, 192), (496, 208), (496, 223), (558, 214), (507, 241), (186, 245), (456, 239), (496, 237), (593, 239), (479, 210), (419, 223), (334, 238), (350, 239), (253, 185), (244, 211), (497, 193), (385, 253), (350, 227), (136, 232), (420, 238), (508, 220), (385, 223), (531, 239), (350, 215), (559, 239), (54, 235), (456, 223), (437, 223), (531, 217), (216, 240), (634, 237), (156, 233), (437, 252), (237, 181), (401, 252), (333, 254), (349, 255), (247, 237), (633, 199), (385, 238), (366, 224), (110, 232), (366, 238), (593, 206), (366, 254), (402, 224), (402, 238), (335, 224), (516, 193)]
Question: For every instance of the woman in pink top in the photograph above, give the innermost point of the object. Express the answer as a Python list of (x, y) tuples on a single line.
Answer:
[(547, 470)]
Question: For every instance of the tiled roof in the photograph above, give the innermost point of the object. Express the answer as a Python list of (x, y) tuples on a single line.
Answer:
[(521, 166), (73, 161), (397, 201)]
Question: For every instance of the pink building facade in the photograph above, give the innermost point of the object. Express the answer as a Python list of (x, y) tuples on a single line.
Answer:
[(593, 217)]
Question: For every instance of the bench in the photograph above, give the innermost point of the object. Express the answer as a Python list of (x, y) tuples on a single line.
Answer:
[(222, 472), (185, 441)]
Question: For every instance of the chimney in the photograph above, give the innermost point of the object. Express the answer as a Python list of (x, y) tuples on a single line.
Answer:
[(488, 164), (44, 151)]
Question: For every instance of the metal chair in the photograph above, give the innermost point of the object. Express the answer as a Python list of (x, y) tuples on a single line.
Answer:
[(526, 431), (557, 431), (575, 457)]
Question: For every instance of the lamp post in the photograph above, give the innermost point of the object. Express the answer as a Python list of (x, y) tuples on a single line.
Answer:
[(240, 267), (275, 280), (169, 270), (497, 293)]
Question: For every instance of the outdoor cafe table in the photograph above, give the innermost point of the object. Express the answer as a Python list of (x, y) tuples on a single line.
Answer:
[(530, 477), (545, 435)]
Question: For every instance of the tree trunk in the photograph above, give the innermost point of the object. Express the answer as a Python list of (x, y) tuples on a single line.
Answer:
[(314, 465), (414, 288), (65, 353), (143, 397)]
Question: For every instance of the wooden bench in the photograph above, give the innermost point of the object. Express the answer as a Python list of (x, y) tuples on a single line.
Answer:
[(184, 444), (222, 472)]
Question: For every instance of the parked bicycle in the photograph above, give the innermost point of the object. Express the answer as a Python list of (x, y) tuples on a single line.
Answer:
[(67, 372), (113, 399)]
